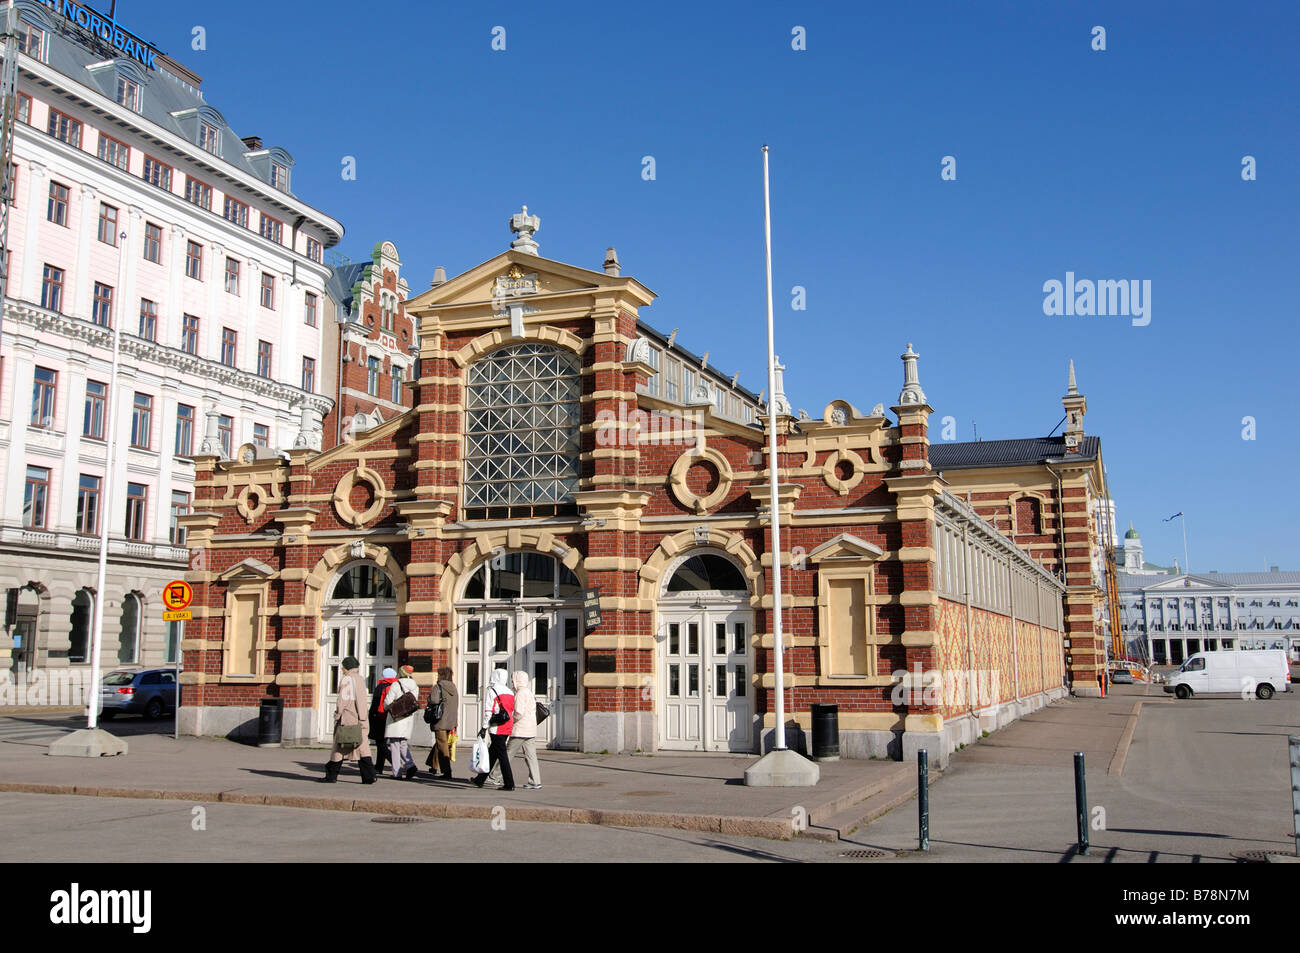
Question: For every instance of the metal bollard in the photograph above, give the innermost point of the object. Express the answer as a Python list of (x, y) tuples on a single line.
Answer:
[(923, 796), (1081, 803), (1295, 788)]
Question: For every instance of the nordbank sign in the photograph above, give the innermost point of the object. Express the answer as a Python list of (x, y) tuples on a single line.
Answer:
[(106, 29)]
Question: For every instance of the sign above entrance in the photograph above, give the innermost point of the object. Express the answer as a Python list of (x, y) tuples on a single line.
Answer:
[(591, 607)]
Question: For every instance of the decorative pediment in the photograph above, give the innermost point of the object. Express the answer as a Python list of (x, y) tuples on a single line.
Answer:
[(846, 546), (248, 569)]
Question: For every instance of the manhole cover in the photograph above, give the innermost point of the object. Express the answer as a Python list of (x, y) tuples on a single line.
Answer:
[(396, 819), (863, 854), (584, 784), (648, 793)]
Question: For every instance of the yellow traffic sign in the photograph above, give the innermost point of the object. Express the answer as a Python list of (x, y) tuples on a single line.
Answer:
[(180, 615)]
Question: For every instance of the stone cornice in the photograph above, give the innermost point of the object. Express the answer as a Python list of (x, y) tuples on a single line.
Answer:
[(179, 363)]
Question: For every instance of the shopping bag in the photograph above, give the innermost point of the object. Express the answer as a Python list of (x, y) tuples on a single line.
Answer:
[(478, 760), (451, 744)]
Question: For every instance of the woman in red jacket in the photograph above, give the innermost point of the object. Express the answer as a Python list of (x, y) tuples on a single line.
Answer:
[(498, 698)]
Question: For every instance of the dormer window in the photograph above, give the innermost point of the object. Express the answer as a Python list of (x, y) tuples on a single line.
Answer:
[(31, 40), (279, 176), (209, 137), (128, 93)]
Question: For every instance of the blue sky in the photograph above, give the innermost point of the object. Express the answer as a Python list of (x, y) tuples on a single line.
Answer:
[(1116, 164)]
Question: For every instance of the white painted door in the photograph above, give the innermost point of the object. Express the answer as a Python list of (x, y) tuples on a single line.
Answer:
[(488, 641), (705, 696), (544, 643), (370, 639)]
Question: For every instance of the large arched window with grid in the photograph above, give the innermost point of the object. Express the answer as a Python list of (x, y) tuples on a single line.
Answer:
[(522, 416)]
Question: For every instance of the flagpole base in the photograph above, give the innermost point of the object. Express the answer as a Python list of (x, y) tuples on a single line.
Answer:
[(87, 743), (782, 768)]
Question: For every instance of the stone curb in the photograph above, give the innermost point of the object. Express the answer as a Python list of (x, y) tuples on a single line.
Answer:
[(770, 828)]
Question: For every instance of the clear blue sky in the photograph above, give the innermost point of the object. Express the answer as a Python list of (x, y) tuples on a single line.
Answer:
[(1117, 164)]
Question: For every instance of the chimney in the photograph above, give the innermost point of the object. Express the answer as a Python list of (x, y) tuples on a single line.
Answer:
[(611, 262), (253, 142), (439, 276), (1272, 569)]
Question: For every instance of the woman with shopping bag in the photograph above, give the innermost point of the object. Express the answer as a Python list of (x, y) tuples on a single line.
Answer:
[(498, 709)]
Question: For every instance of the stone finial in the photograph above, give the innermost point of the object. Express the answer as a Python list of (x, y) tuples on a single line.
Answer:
[(778, 395), (1073, 388), (524, 225), (310, 427), (211, 445), (439, 276), (611, 262), (911, 393)]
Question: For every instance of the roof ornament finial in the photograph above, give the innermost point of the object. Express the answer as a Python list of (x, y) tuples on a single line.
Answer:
[(911, 393), (1073, 388), (524, 225)]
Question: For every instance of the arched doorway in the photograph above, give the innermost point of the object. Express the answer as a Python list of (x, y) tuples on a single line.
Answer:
[(706, 698), (358, 618), (26, 616), (522, 612)]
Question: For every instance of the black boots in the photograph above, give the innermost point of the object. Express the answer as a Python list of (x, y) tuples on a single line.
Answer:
[(331, 771), (367, 771)]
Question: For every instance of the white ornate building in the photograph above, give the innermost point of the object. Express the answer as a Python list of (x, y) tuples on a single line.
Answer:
[(134, 201)]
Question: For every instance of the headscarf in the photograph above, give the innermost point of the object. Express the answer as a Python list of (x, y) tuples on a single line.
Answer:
[(388, 673)]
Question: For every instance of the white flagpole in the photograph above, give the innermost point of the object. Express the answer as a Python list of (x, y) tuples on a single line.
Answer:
[(778, 645), (106, 500)]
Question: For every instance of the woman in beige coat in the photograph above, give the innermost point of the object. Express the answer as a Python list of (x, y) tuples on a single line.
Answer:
[(352, 709)]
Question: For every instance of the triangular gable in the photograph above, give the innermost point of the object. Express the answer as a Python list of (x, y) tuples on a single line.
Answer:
[(555, 277), (1177, 582), (250, 568), (846, 546), (361, 441)]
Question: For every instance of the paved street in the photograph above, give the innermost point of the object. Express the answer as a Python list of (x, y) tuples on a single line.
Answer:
[(1202, 781)]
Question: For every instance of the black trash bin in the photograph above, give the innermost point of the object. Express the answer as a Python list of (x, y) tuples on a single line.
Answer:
[(825, 732), (270, 722)]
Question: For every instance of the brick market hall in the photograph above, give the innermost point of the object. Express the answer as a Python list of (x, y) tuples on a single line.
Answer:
[(555, 449)]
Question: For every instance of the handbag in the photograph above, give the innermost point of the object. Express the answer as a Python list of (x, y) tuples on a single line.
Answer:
[(347, 736), (543, 712), (404, 707), (433, 712), (500, 716)]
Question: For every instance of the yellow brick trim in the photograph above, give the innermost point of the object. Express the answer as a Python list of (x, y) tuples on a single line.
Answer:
[(614, 679)]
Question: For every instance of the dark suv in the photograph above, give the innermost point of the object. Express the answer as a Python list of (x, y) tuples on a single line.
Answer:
[(151, 693)]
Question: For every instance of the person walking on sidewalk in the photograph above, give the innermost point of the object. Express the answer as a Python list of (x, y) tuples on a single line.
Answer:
[(498, 701), (445, 694), (523, 733), (350, 713), (379, 717), (397, 731)]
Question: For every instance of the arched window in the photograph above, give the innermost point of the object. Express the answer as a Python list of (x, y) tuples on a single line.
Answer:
[(707, 572), (509, 576), (363, 581), (79, 639), (128, 643), (521, 433)]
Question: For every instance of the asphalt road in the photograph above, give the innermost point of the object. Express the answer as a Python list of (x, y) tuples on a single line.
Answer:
[(1205, 780)]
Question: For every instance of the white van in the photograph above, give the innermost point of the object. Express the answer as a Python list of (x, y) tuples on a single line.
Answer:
[(1244, 673)]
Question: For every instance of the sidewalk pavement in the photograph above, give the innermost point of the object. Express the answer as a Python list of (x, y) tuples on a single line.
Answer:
[(687, 791)]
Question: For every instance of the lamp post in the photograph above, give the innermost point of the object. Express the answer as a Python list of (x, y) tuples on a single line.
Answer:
[(94, 741)]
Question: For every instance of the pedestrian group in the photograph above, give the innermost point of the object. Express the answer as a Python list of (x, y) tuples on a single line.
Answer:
[(511, 713)]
